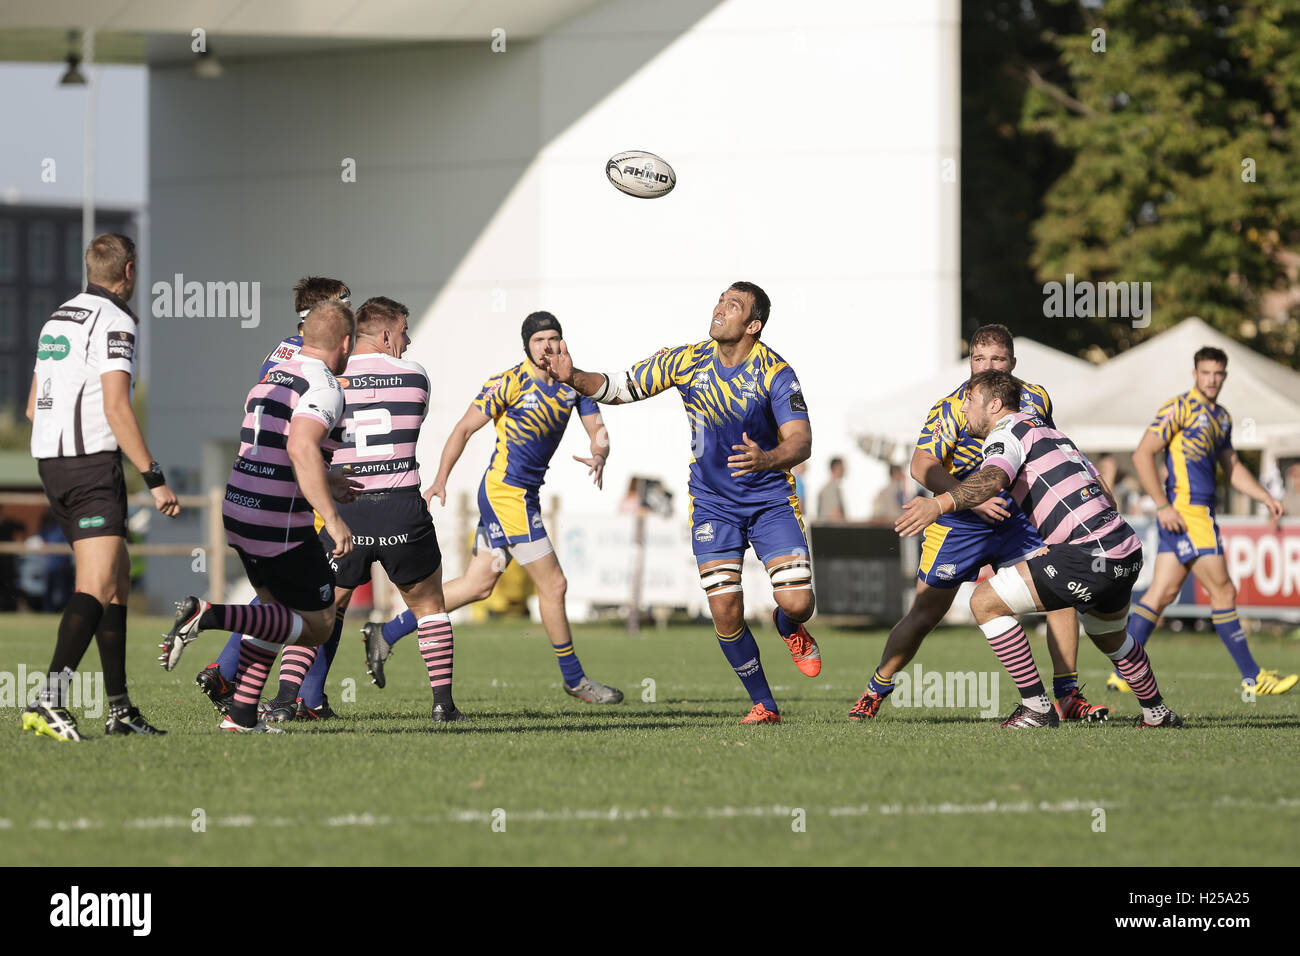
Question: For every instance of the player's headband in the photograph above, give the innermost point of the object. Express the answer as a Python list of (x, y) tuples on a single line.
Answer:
[(306, 312), (539, 322)]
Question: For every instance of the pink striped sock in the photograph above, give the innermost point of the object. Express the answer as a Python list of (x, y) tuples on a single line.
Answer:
[(295, 661), (1012, 648), (254, 667), (1135, 667), (270, 622), (436, 647)]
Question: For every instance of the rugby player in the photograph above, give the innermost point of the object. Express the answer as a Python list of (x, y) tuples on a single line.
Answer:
[(215, 679), (82, 425), (386, 399), (1090, 560), (749, 427), (531, 410), (290, 425), (958, 545), (1194, 432)]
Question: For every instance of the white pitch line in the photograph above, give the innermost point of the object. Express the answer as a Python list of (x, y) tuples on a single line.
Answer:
[(628, 814)]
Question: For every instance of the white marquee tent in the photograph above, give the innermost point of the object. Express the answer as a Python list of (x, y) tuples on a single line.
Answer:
[(1105, 408), (1108, 411)]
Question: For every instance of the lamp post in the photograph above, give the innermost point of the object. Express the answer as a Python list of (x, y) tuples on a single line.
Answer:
[(88, 146)]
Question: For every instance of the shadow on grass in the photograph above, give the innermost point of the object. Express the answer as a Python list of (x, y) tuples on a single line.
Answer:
[(481, 725), (1243, 721)]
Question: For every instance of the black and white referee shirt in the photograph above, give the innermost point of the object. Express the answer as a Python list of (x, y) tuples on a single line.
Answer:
[(90, 334)]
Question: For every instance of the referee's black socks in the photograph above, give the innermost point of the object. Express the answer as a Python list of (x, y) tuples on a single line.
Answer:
[(80, 620), (111, 638)]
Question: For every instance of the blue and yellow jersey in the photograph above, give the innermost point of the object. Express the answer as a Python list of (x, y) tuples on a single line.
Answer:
[(946, 437), (286, 350), (530, 419), (756, 397), (1194, 433)]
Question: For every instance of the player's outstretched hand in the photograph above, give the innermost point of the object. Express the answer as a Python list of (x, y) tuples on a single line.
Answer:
[(165, 500), (343, 488), (1169, 519), (340, 534), (918, 514), (595, 467), (750, 459), (436, 490), (559, 363), (993, 510)]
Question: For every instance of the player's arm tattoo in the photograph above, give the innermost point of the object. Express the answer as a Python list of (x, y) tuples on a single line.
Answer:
[(979, 487)]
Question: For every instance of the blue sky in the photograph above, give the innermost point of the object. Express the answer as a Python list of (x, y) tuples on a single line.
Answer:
[(44, 120)]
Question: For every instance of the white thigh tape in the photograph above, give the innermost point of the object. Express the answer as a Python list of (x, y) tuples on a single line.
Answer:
[(1011, 587), (1095, 626)]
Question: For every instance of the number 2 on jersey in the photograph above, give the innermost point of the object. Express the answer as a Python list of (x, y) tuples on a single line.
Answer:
[(371, 423)]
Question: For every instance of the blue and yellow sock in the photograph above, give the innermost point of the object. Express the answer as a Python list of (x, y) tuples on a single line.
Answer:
[(399, 627), (312, 691), (880, 686), (1141, 622), (1062, 684), (228, 659), (784, 624), (741, 651), (570, 666), (1229, 629)]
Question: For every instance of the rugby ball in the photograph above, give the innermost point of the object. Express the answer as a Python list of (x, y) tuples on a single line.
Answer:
[(641, 174)]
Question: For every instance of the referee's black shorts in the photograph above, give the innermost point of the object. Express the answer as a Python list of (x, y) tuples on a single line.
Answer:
[(87, 494), (393, 528)]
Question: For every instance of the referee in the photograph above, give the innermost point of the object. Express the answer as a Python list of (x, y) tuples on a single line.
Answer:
[(82, 421)]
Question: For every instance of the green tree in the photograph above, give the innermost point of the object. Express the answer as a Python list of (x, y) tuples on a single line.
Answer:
[(15, 430), (1156, 132), (1006, 170)]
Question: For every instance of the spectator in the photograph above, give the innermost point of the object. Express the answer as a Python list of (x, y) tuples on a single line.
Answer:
[(1292, 497), (60, 576), (1108, 468), (889, 503), (31, 575), (830, 500)]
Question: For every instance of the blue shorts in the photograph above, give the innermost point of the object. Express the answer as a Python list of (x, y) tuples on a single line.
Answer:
[(508, 515), (722, 529), (954, 551), (1201, 538)]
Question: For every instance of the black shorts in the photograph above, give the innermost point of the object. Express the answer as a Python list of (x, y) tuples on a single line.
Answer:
[(87, 494), (1069, 575), (393, 528), (301, 579)]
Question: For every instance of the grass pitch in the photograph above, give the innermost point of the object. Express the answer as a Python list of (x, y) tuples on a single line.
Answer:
[(540, 778)]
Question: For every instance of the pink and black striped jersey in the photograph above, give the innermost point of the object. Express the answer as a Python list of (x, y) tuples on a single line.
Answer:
[(264, 512), (386, 401), (1057, 487)]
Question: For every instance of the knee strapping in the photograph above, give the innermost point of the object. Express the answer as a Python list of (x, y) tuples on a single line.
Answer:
[(794, 574), (721, 579)]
